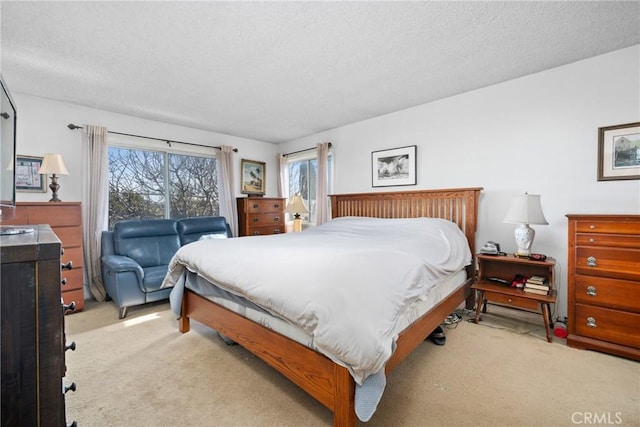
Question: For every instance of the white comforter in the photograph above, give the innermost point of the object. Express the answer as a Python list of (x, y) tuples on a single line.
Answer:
[(345, 282)]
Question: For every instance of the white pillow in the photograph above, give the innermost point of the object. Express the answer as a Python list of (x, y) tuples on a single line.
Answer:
[(212, 236)]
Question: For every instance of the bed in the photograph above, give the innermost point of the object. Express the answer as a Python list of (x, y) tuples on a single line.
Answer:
[(329, 382)]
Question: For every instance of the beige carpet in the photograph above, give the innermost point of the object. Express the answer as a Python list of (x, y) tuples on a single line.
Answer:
[(502, 372)]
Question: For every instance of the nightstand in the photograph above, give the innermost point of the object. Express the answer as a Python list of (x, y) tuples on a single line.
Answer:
[(505, 268)]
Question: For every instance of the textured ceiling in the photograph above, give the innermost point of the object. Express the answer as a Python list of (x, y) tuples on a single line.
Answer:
[(275, 71)]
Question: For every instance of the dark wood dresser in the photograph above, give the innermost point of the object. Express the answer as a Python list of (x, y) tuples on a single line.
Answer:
[(604, 284), (65, 218), (259, 216), (33, 363)]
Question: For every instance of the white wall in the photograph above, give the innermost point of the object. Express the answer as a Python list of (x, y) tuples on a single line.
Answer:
[(42, 128), (537, 134)]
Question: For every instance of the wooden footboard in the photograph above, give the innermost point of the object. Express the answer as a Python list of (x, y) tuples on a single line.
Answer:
[(328, 382)]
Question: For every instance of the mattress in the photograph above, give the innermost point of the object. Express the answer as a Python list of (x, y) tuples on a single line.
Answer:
[(253, 312)]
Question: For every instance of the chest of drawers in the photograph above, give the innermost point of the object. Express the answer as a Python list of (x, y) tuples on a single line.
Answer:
[(65, 218), (604, 284), (259, 216)]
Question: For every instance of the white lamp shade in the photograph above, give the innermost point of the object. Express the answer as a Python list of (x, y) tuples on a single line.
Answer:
[(296, 205), (53, 164), (525, 209)]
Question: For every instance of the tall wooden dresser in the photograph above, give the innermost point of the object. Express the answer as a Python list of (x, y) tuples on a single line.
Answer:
[(65, 218), (604, 284), (33, 347), (259, 216)]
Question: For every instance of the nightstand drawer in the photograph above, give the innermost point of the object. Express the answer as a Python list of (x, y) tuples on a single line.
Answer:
[(608, 325), (609, 240), (512, 300), (608, 227), (608, 262), (605, 292)]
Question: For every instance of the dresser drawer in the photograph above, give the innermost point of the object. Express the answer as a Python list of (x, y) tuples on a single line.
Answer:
[(599, 323), (261, 206), (69, 236), (76, 296), (55, 215), (74, 278), (608, 227), (608, 262), (610, 293), (609, 240), (74, 255), (265, 231), (263, 219)]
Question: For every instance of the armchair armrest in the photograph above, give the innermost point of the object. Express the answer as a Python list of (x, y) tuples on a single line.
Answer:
[(121, 263)]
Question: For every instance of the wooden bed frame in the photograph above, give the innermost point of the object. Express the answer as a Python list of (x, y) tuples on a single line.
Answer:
[(328, 382)]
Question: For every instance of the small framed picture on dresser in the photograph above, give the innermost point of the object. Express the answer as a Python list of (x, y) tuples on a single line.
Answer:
[(252, 174), (619, 152), (27, 177)]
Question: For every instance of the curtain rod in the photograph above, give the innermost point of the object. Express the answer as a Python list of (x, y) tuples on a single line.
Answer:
[(301, 151), (168, 141)]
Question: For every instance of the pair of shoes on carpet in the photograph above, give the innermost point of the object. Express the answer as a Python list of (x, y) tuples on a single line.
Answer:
[(437, 336)]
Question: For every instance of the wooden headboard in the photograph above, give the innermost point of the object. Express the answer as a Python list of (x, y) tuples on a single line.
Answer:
[(459, 205)]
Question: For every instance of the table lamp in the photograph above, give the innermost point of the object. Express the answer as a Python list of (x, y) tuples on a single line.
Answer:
[(525, 210), (296, 206), (54, 165)]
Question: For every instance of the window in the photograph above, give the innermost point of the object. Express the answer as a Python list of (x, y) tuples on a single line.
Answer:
[(303, 172), (145, 183)]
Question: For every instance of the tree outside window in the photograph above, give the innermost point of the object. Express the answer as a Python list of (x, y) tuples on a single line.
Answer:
[(155, 184)]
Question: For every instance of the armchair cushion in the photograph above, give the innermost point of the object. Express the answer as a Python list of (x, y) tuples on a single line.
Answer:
[(148, 242), (193, 229)]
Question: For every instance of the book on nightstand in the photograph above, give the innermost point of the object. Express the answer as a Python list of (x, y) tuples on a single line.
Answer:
[(536, 291), (536, 286), (537, 280)]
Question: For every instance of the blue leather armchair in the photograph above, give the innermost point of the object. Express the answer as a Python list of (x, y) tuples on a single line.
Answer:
[(136, 255)]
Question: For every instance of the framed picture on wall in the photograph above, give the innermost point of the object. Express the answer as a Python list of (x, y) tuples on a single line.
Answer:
[(27, 177), (396, 166), (619, 152), (252, 175)]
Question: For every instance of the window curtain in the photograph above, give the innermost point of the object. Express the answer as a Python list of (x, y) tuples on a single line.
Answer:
[(95, 203), (322, 190), (283, 176), (225, 187)]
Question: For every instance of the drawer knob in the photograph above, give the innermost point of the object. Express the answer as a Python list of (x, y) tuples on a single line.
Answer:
[(71, 387), (67, 266), (277, 205), (509, 299), (74, 424), (592, 227), (592, 291), (256, 219), (71, 346), (592, 240), (276, 231), (256, 233), (63, 281), (255, 206), (68, 307), (591, 322), (276, 218), (592, 262)]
